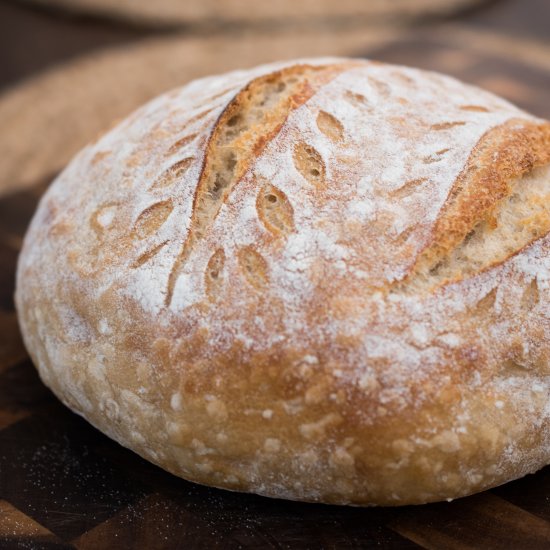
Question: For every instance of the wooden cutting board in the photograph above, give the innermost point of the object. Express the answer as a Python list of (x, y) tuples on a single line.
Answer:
[(65, 485)]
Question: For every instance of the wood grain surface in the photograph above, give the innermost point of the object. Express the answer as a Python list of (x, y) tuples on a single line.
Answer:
[(65, 485)]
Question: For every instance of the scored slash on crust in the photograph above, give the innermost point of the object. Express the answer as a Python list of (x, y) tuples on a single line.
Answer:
[(256, 115), (252, 119), (498, 198)]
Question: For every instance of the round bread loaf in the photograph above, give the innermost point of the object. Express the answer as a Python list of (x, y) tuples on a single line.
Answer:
[(323, 280)]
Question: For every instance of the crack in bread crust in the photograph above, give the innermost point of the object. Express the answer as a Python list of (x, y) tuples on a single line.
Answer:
[(482, 200), (250, 121)]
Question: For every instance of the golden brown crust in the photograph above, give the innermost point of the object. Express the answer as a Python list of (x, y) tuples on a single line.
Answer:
[(502, 155), (299, 348)]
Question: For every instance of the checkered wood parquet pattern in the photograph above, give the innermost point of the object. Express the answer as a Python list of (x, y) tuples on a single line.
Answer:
[(65, 485)]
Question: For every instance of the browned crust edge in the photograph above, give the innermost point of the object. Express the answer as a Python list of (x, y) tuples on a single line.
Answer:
[(503, 154)]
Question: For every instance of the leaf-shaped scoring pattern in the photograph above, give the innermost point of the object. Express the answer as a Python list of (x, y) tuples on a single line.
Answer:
[(309, 163), (146, 256), (275, 211), (475, 108), (382, 88), (151, 219), (330, 126), (487, 303), (436, 157), (253, 266), (409, 187), (446, 125), (214, 276), (357, 100), (176, 171), (531, 295), (181, 143), (103, 217)]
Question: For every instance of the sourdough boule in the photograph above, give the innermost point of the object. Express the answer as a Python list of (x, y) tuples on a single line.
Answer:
[(323, 280)]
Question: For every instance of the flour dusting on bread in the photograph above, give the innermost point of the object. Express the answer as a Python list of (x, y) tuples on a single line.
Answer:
[(323, 279)]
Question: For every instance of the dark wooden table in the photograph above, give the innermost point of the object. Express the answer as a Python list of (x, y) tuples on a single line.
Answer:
[(65, 485)]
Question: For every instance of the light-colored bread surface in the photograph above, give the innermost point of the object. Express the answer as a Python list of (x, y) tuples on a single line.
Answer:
[(323, 280)]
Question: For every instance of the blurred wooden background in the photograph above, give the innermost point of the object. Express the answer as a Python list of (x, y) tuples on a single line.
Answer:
[(32, 40)]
